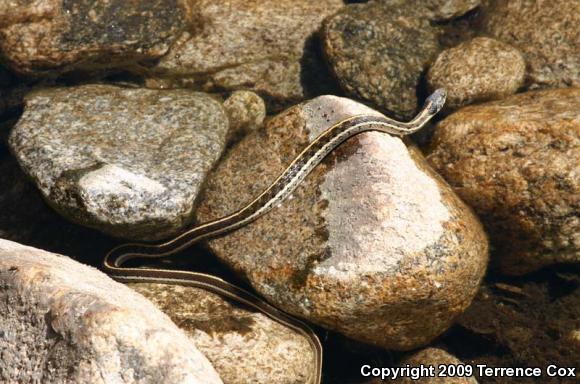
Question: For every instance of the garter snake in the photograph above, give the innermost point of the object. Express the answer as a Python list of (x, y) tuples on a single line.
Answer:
[(279, 190)]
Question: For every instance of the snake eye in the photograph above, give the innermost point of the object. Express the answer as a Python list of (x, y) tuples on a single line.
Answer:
[(436, 100)]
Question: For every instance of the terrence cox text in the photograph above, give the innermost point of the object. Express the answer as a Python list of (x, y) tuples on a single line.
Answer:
[(464, 370)]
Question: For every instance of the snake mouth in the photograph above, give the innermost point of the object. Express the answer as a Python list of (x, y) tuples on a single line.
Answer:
[(436, 101)]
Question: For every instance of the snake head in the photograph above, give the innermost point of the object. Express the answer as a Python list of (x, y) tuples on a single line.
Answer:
[(435, 101)]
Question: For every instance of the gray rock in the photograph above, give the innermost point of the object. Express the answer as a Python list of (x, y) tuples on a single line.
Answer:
[(66, 322), (516, 162), (53, 36), (267, 46), (25, 218), (545, 32), (378, 53), (129, 162), (372, 244), (244, 346), (477, 70)]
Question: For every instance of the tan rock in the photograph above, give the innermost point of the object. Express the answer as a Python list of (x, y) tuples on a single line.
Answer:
[(18, 11), (516, 162), (244, 346), (533, 320), (372, 244), (545, 32), (448, 9), (432, 357), (246, 112), (53, 36), (478, 70), (436, 357), (66, 322), (436, 9), (267, 46)]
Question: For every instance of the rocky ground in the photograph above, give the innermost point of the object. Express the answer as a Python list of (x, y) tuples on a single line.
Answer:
[(133, 121)]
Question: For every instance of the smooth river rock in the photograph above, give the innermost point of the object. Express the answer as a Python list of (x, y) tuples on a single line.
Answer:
[(378, 53), (372, 244), (64, 322), (129, 162), (54, 36), (244, 346), (436, 9), (534, 320), (246, 111), (547, 34), (17, 11), (430, 357), (516, 162), (267, 46), (25, 218), (480, 69), (436, 357)]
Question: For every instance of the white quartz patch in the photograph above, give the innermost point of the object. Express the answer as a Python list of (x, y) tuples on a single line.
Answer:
[(112, 179), (381, 207)]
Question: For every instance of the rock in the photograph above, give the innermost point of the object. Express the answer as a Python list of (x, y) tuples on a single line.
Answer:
[(52, 36), (477, 70), (25, 218), (546, 34), (18, 11), (532, 321), (66, 322), (437, 9), (267, 46), (246, 111), (244, 346), (515, 161), (378, 53), (449, 9), (432, 357), (129, 162), (372, 244)]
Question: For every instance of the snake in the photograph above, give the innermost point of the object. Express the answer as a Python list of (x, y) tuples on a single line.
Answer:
[(272, 196)]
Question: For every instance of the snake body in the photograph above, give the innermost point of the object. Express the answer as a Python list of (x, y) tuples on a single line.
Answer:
[(277, 192)]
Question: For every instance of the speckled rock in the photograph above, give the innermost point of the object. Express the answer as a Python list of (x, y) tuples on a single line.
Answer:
[(449, 9), (478, 70), (53, 36), (437, 9), (66, 322), (267, 46), (128, 162), (372, 244), (378, 53), (26, 219), (434, 357), (545, 32), (535, 320), (516, 162), (244, 346), (246, 111), (18, 11)]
